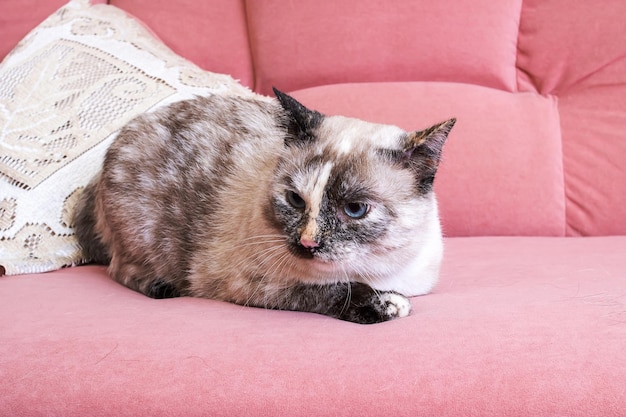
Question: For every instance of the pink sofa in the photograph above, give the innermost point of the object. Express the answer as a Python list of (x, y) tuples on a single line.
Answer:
[(529, 317)]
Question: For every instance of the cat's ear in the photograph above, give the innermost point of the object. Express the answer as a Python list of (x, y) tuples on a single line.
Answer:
[(301, 122), (429, 142), (422, 151)]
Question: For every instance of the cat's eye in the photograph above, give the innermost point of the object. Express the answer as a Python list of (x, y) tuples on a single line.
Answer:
[(356, 210), (295, 200)]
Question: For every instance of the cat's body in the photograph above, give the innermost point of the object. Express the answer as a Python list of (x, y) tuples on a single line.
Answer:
[(265, 203)]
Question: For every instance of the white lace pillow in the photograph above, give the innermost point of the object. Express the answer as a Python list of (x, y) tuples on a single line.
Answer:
[(65, 91)]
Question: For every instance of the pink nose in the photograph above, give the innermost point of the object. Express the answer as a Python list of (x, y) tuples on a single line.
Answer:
[(308, 243)]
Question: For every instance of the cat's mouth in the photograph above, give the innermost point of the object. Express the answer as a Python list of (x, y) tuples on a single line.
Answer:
[(315, 255), (302, 252), (315, 261)]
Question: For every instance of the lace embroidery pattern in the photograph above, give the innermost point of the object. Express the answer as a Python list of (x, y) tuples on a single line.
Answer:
[(62, 102), (65, 91)]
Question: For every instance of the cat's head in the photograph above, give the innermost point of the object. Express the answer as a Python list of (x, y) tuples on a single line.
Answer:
[(349, 194)]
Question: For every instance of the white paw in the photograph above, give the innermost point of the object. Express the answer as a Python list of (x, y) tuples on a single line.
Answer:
[(396, 305)]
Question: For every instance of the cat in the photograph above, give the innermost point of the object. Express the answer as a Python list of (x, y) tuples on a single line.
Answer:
[(263, 202)]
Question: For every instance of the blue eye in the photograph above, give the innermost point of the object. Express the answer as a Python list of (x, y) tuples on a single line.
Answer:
[(295, 200), (356, 210)]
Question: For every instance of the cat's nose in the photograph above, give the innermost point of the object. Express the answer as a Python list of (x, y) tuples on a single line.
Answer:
[(309, 243)]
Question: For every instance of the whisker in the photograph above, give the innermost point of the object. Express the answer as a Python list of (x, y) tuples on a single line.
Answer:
[(262, 242), (284, 262), (346, 303), (265, 251), (278, 261), (276, 235)]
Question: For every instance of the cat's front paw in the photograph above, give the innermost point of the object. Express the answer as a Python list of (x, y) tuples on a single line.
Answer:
[(395, 305), (368, 306)]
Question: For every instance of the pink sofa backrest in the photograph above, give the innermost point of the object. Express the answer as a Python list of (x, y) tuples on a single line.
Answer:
[(370, 40), (539, 88), (213, 34)]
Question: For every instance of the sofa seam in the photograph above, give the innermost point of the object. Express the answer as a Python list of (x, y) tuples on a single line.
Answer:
[(251, 54), (517, 47), (562, 149)]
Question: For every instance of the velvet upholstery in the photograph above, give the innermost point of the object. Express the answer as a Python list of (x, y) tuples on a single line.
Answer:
[(212, 34), (330, 42), (529, 318), (517, 326)]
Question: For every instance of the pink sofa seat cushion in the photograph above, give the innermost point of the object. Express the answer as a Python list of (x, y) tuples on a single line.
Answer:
[(502, 171), (534, 328), (317, 43)]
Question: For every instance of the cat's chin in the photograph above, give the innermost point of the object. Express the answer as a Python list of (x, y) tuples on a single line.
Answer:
[(321, 265), (316, 268)]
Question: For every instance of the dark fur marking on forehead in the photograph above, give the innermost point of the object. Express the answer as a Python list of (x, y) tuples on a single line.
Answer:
[(343, 169), (352, 179)]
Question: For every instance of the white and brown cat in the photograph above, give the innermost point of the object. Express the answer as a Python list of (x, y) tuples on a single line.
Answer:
[(267, 203)]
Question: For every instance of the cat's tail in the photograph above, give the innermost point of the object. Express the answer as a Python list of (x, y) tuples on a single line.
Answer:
[(89, 239)]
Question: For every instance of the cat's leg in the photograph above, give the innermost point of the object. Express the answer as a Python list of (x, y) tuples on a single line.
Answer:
[(85, 225), (355, 302), (141, 279), (162, 289)]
